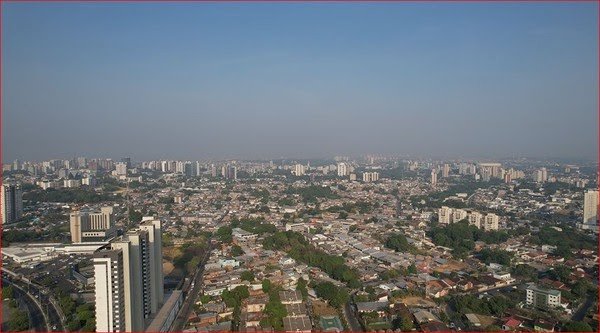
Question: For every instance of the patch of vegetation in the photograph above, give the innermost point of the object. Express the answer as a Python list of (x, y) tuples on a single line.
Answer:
[(82, 194), (298, 248)]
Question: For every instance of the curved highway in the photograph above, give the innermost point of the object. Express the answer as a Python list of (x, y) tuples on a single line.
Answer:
[(36, 316)]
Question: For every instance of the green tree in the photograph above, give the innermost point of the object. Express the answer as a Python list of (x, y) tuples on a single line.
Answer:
[(236, 250), (266, 285), (398, 243), (247, 276), (405, 324), (577, 326), (19, 321), (301, 287), (336, 296), (8, 292), (224, 234)]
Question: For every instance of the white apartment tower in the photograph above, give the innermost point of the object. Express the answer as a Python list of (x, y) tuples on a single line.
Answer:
[(109, 291), (136, 277), (445, 215), (153, 227), (299, 170), (541, 175), (475, 219), (459, 215), (490, 222), (590, 210), (12, 203), (446, 171), (433, 176), (121, 169), (342, 170), (370, 177)]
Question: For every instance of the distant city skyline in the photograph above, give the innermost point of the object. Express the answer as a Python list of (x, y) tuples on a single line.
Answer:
[(299, 80)]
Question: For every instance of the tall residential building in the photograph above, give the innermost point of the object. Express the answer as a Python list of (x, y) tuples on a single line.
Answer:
[(136, 249), (459, 215), (370, 176), (180, 167), (109, 291), (153, 227), (490, 222), (342, 170), (91, 226), (229, 172), (12, 203), (446, 170), (490, 170), (121, 169), (541, 175), (475, 219), (299, 170), (129, 280), (433, 176), (127, 161), (197, 169), (590, 210), (445, 215)]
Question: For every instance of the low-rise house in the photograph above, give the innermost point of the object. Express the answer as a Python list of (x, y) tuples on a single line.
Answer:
[(379, 307)]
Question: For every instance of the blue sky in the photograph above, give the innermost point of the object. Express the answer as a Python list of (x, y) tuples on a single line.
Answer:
[(265, 80)]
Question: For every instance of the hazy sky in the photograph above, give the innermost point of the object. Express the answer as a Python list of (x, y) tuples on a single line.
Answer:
[(264, 80)]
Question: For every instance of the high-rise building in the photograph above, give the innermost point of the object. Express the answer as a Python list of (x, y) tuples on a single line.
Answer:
[(590, 210), (12, 203), (153, 227), (459, 215), (475, 219), (370, 176), (92, 226), (342, 170), (541, 175), (129, 279), (121, 169), (490, 170), (109, 291), (81, 162), (433, 176), (136, 277), (299, 170), (446, 171), (197, 169), (445, 215), (490, 222), (180, 167), (127, 161)]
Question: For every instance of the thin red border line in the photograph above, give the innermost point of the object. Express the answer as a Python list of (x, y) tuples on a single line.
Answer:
[(1, 162), (306, 1), (297, 1), (598, 162)]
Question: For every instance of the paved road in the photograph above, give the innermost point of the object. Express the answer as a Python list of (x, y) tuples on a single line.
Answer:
[(582, 310), (54, 319), (351, 318), (194, 292), (36, 317), (192, 295)]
